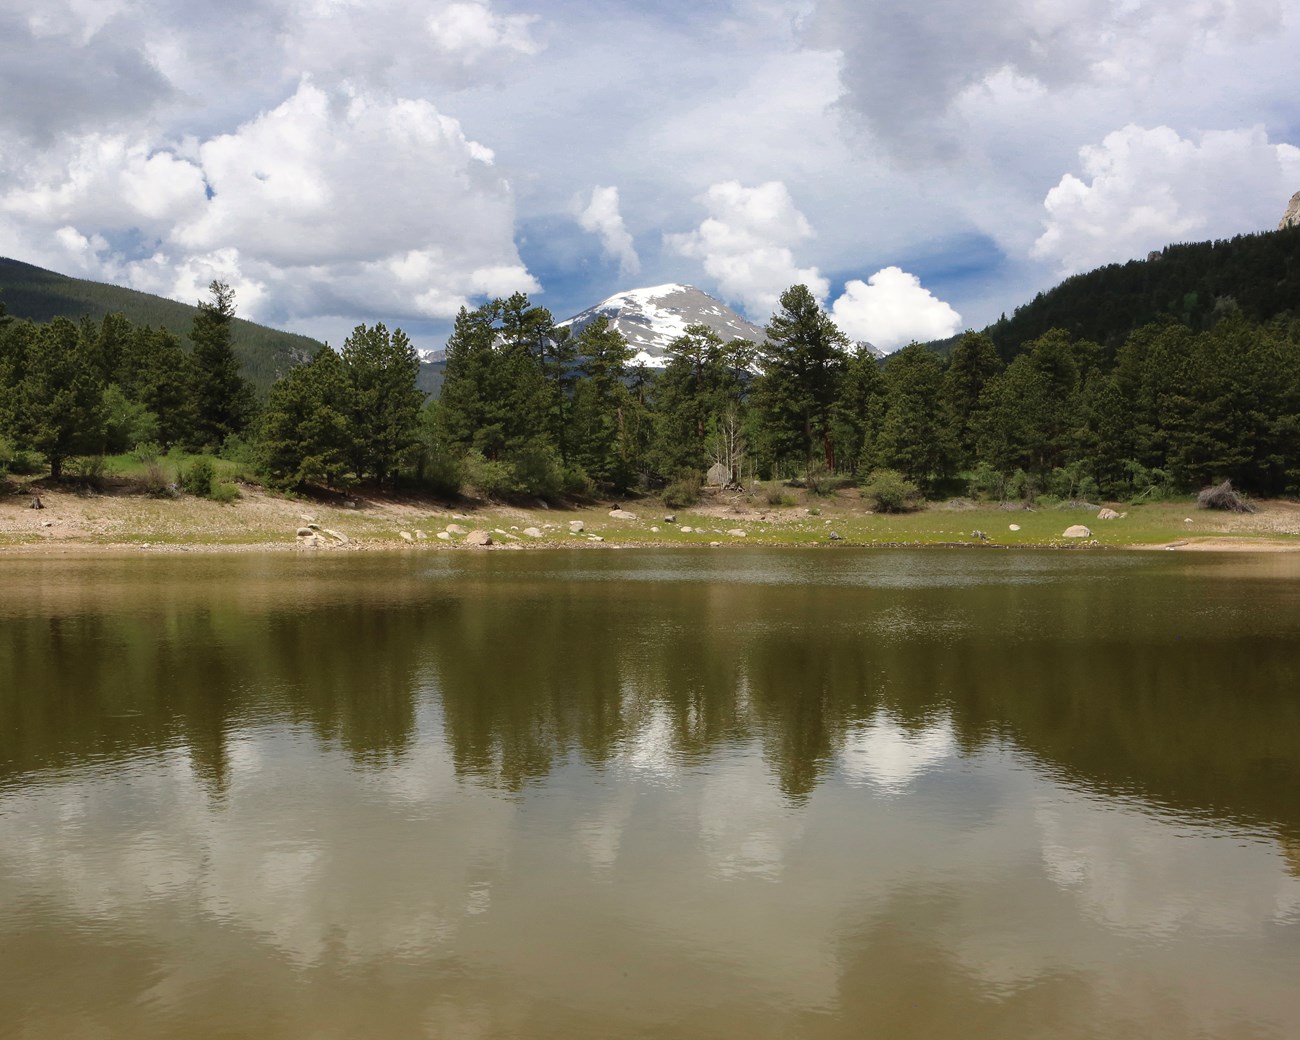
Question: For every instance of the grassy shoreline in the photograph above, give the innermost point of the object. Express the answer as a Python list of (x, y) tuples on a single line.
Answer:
[(123, 519)]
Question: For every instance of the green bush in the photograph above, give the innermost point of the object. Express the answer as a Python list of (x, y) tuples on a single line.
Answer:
[(889, 491), (987, 482), (198, 478), (87, 470), (684, 491), (775, 495), (225, 492), (489, 477), (25, 463)]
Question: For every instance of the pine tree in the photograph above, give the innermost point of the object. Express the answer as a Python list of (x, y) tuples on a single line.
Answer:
[(306, 428), (385, 402), (223, 399), (802, 359), (61, 398)]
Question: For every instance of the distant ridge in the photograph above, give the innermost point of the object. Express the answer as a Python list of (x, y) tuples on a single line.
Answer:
[(34, 293)]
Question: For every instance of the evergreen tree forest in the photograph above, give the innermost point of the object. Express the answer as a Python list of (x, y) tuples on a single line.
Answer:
[(529, 409)]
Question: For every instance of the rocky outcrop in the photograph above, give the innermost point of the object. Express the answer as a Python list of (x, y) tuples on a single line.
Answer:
[(1291, 218)]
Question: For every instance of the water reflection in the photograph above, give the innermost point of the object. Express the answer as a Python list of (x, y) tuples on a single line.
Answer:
[(524, 796)]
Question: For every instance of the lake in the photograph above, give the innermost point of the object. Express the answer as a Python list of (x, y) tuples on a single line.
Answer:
[(793, 793)]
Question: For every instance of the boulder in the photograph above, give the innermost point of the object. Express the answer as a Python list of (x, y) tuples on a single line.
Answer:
[(685, 530), (478, 538), (576, 526), (671, 518), (736, 532), (718, 475), (455, 529), (621, 514), (304, 532), (406, 536), (594, 538), (338, 536), (1077, 531), (420, 536), (444, 536), (1014, 527), (715, 545), (532, 532), (834, 536), (1108, 514)]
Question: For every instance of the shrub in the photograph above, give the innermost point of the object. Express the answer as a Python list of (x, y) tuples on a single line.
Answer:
[(198, 478), (24, 463), (225, 492), (86, 470), (684, 491), (987, 482), (776, 496), (490, 478), (890, 492)]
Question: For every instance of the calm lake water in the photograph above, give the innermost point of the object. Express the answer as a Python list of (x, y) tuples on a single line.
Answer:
[(650, 794)]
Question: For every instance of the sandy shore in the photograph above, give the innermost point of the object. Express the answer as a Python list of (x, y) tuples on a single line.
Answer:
[(121, 520)]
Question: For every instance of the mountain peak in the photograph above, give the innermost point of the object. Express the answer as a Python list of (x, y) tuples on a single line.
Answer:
[(652, 317), (1291, 218)]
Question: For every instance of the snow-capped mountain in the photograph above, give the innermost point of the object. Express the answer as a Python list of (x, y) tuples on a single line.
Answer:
[(651, 318)]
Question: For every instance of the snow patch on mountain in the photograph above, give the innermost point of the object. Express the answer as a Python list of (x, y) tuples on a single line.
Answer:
[(652, 317)]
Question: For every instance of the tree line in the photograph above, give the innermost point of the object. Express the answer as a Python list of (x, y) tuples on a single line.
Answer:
[(530, 409)]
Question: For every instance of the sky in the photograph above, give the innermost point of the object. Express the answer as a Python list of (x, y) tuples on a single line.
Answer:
[(921, 165)]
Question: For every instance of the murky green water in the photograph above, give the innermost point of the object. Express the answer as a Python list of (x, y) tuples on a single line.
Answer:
[(620, 794)]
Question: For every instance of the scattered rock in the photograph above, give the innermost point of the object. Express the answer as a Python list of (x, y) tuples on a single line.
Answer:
[(1108, 514), (594, 538), (532, 532), (621, 514), (444, 536), (304, 532), (654, 530), (834, 536), (420, 536), (980, 536), (671, 518), (37, 503), (455, 529), (685, 530), (478, 538), (339, 537), (406, 536), (576, 526), (1187, 519), (715, 545), (736, 532), (47, 523), (1014, 527), (1077, 531), (307, 519)]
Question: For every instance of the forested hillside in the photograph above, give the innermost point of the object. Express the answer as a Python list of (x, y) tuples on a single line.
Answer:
[(264, 354), (1256, 276)]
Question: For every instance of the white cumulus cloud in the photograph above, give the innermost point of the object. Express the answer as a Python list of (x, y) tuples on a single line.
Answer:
[(745, 245), (1144, 188), (342, 202), (891, 309), (602, 217)]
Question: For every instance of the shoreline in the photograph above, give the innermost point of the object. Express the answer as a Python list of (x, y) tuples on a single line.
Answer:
[(122, 522)]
